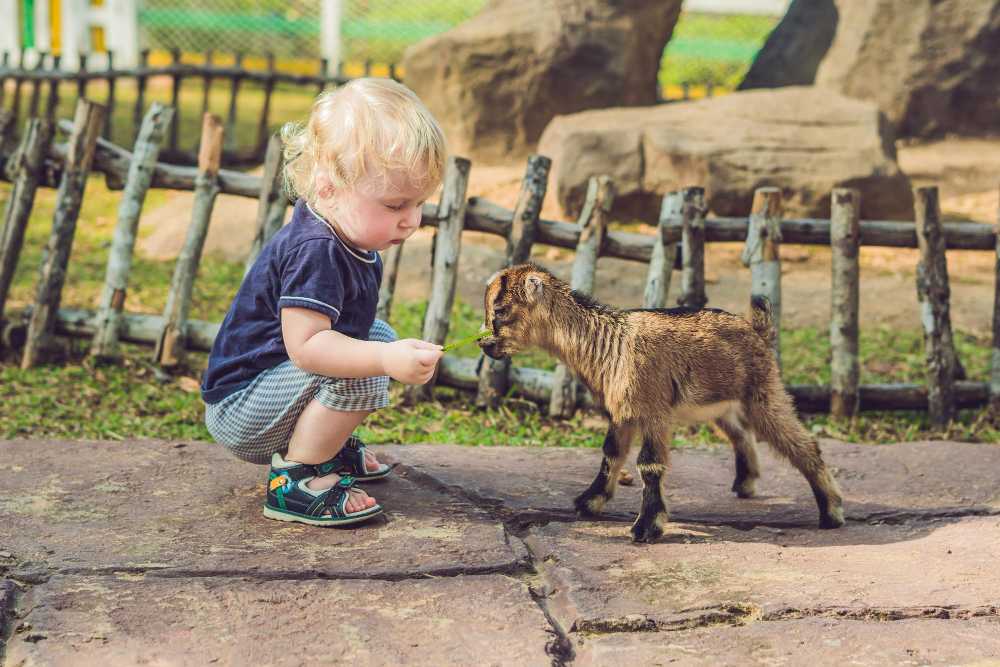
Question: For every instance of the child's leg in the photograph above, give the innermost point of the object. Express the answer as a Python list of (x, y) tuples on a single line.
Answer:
[(318, 435), (339, 406)]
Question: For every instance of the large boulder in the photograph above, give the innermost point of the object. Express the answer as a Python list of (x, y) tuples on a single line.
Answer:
[(804, 140), (794, 49), (496, 81), (933, 66)]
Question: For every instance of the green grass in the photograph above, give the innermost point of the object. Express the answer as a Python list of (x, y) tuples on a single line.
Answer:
[(713, 48), (76, 399)]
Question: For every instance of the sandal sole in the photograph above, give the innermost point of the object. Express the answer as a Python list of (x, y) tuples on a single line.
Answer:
[(281, 515), (372, 478)]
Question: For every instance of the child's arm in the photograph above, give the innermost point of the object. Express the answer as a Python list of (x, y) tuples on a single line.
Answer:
[(314, 347)]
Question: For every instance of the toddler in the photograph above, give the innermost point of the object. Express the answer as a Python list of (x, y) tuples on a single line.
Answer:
[(300, 359)]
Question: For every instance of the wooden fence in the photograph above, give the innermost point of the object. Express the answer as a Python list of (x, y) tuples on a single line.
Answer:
[(36, 94), (682, 231)]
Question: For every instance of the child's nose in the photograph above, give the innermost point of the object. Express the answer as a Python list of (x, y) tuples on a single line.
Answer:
[(412, 218)]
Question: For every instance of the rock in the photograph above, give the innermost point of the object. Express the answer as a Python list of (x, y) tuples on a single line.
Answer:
[(795, 48), (802, 139), (800, 641), (930, 65), (877, 482), (128, 619), (698, 575), (496, 81), (207, 520)]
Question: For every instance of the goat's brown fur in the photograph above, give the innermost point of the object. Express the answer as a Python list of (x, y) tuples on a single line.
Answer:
[(653, 370)]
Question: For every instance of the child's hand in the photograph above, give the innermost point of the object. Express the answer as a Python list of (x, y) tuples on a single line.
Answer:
[(410, 361)]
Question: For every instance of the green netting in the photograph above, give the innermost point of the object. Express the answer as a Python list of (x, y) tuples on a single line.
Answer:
[(705, 48)]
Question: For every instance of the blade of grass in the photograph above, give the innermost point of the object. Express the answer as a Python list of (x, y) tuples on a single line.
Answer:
[(465, 341)]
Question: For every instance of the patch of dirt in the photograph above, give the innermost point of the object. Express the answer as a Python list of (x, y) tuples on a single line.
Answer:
[(965, 170)]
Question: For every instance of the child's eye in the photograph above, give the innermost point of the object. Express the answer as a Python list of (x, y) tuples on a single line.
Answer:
[(394, 207)]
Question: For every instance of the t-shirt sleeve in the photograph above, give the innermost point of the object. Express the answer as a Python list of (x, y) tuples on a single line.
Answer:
[(311, 278)]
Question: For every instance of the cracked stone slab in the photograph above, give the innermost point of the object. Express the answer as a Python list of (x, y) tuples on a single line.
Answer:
[(192, 507), (132, 619), (596, 580), (8, 591), (880, 482), (809, 641)]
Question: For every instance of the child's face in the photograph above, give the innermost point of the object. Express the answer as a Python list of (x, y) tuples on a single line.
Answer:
[(379, 213)]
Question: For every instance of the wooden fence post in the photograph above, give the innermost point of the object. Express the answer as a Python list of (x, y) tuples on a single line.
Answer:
[(230, 137), (140, 99), (995, 360), (265, 111), (390, 264), (933, 293), (324, 67), (206, 82), (272, 202), (36, 86), (15, 105), (110, 78), (762, 254), (140, 175), (53, 100), (661, 264), (82, 144), (4, 59), (693, 249), (172, 340), (593, 223), (494, 375), (845, 238), (444, 276), (175, 96), (6, 137), (26, 171)]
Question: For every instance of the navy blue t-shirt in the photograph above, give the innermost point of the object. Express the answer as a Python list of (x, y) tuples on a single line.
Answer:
[(305, 265)]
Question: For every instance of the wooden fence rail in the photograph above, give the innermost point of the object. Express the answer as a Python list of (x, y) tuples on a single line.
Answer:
[(681, 227), (45, 77)]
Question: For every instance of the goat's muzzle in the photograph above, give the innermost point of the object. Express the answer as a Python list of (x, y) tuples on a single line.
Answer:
[(493, 348)]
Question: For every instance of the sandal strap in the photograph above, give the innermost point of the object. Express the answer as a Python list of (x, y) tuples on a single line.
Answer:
[(351, 458), (333, 499)]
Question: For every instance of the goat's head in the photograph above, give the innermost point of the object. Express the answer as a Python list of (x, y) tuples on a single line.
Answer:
[(516, 307)]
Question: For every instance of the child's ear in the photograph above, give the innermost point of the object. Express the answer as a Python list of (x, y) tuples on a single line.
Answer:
[(324, 187)]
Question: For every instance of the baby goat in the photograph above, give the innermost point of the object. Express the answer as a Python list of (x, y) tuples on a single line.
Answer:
[(653, 370)]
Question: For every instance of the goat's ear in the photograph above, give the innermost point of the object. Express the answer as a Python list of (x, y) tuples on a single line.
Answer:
[(489, 281), (532, 286)]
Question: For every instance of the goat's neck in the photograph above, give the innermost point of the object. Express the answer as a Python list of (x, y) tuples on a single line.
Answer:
[(585, 339)]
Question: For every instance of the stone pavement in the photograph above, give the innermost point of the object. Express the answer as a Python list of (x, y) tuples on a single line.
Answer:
[(150, 552)]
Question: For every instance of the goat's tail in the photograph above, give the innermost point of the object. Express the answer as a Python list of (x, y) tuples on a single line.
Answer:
[(761, 319)]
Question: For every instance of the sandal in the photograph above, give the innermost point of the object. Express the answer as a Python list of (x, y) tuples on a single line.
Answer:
[(350, 460), (289, 499)]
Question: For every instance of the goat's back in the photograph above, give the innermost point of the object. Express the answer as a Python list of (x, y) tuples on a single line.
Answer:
[(698, 357)]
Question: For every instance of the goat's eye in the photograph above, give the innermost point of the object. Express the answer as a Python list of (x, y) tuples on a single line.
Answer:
[(501, 312)]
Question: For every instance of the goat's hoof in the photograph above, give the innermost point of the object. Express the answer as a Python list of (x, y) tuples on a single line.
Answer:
[(589, 506), (746, 488), (646, 533), (832, 519)]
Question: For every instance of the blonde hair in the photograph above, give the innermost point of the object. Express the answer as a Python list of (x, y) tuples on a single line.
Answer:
[(368, 127)]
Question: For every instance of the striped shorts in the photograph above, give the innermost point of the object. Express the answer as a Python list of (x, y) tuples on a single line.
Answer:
[(258, 420)]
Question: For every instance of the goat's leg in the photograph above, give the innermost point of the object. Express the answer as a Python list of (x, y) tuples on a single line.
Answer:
[(775, 422), (616, 445), (734, 427), (652, 466)]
